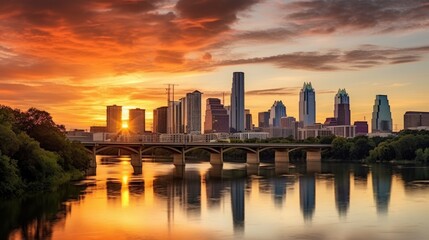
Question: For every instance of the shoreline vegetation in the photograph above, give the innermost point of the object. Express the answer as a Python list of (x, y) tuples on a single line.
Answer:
[(35, 155)]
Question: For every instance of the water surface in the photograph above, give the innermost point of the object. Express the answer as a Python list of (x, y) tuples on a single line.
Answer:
[(237, 201)]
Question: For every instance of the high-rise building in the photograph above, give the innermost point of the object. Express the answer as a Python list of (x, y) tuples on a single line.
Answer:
[(114, 118), (287, 122), (264, 119), (136, 121), (248, 118), (342, 107), (416, 119), (307, 105), (160, 120), (216, 119), (381, 115), (361, 127), (237, 117), (277, 111), (174, 117), (192, 112)]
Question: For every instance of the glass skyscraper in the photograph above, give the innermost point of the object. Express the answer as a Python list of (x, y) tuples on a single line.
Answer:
[(307, 105), (381, 115), (342, 107), (237, 119), (277, 111)]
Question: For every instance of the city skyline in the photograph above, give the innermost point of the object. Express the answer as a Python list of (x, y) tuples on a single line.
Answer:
[(73, 59)]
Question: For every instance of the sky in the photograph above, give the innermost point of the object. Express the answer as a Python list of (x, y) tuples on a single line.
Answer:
[(73, 58)]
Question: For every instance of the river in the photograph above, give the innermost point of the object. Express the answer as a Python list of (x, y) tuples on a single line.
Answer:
[(236, 201)]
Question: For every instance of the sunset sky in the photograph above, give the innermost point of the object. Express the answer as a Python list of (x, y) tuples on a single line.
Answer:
[(74, 57)]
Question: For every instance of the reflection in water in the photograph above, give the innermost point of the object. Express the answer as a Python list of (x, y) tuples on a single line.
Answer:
[(342, 188), (37, 217), (237, 203), (307, 195), (381, 186), (229, 202)]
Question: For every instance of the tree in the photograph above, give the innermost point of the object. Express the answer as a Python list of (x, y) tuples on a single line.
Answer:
[(340, 148)]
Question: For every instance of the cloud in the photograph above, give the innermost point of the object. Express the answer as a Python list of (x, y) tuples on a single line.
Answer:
[(327, 16), (80, 39), (274, 91), (366, 56)]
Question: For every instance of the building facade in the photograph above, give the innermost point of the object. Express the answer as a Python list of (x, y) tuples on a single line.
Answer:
[(136, 121), (342, 107), (307, 105), (191, 110), (381, 115), (114, 118), (415, 120), (361, 128), (277, 111), (160, 120), (237, 115), (216, 118), (263, 119), (248, 118)]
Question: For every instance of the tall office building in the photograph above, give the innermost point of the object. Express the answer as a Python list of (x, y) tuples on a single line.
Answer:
[(216, 119), (416, 120), (277, 111), (381, 115), (237, 117), (307, 105), (160, 120), (114, 118), (174, 117), (192, 112), (342, 107), (248, 120), (264, 119), (136, 121)]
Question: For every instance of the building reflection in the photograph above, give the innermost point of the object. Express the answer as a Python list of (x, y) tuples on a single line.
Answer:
[(193, 193), (136, 187), (360, 173), (113, 187), (381, 186), (237, 203), (342, 189), (307, 195)]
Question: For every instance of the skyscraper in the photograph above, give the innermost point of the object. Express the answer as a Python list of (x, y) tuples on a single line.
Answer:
[(114, 118), (277, 111), (342, 107), (416, 119), (216, 119), (264, 119), (136, 121), (160, 120), (237, 117), (248, 120), (381, 115), (192, 112), (307, 105)]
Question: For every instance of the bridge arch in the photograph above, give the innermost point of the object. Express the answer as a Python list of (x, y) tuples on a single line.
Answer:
[(209, 149), (175, 150), (240, 147), (133, 150)]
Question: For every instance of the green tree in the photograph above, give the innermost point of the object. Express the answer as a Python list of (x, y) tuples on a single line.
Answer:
[(341, 148), (10, 181)]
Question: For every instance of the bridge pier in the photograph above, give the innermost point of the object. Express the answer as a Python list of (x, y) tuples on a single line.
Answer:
[(252, 158), (179, 158), (216, 158), (136, 162), (281, 157), (314, 155)]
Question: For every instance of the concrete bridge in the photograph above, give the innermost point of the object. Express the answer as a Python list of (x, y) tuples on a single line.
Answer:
[(216, 150)]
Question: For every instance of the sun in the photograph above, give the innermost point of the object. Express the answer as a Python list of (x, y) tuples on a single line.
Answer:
[(124, 125)]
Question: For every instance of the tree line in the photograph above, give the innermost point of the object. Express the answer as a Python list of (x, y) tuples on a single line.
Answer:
[(35, 154)]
